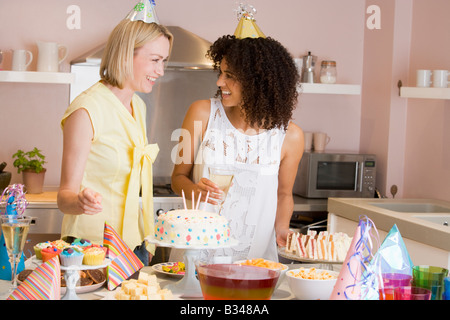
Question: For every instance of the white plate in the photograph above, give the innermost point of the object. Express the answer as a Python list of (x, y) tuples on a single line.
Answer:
[(158, 268), (282, 253), (80, 289), (85, 289)]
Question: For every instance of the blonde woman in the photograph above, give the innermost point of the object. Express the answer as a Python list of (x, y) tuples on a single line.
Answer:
[(105, 147)]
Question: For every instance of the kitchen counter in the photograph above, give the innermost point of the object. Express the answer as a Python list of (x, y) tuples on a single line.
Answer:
[(45, 199), (425, 240), (48, 200)]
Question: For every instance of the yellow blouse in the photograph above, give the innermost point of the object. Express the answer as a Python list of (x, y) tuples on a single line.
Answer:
[(119, 164)]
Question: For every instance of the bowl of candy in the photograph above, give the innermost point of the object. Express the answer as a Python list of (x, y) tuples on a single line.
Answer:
[(232, 281), (263, 263), (311, 283)]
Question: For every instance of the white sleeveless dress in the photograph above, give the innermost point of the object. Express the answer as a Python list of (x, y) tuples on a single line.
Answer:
[(251, 202)]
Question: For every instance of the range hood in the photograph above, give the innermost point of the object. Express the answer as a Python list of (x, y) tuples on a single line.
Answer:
[(188, 52)]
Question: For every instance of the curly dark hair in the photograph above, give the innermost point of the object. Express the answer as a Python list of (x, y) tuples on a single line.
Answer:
[(267, 74)]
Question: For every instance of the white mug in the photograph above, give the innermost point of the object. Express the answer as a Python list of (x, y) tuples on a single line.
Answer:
[(423, 78), (440, 78), (321, 139), (308, 140), (50, 55), (21, 59)]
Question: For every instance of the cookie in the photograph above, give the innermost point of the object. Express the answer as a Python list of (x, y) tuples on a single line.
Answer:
[(96, 275), (85, 282), (24, 274)]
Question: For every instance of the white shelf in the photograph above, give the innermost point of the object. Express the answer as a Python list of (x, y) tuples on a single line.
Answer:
[(37, 77), (322, 88), (425, 93)]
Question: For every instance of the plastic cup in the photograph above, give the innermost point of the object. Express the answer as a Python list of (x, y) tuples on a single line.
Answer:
[(387, 293), (446, 294), (431, 278), (396, 279), (412, 293)]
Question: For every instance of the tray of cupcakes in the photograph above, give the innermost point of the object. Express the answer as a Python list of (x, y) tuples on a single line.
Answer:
[(82, 255)]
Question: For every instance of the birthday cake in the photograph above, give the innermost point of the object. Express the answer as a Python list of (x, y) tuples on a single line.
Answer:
[(192, 228)]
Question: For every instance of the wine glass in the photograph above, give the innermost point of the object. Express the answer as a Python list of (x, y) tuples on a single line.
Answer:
[(223, 178), (15, 230)]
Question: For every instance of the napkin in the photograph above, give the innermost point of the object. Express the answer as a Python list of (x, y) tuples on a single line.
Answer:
[(44, 283), (124, 263)]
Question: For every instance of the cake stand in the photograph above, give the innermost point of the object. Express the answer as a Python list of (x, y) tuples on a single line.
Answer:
[(72, 276), (189, 286)]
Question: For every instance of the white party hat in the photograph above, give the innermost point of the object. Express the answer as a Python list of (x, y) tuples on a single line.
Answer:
[(144, 10)]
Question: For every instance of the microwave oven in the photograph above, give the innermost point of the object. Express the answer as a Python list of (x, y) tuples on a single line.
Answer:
[(327, 174)]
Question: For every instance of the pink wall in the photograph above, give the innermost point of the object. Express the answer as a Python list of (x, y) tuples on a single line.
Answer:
[(330, 29), (409, 136), (406, 134), (427, 173)]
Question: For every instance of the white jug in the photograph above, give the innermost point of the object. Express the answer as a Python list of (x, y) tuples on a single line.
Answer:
[(50, 55)]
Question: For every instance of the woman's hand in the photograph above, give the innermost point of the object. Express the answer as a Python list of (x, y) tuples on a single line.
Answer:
[(282, 237), (90, 201), (204, 186)]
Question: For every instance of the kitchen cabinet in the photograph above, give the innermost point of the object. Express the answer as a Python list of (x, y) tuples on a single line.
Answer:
[(425, 93), (37, 77)]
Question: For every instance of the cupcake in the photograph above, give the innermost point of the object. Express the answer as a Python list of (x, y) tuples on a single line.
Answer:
[(71, 256), (60, 244), (38, 247), (49, 252), (97, 246), (94, 256), (82, 243)]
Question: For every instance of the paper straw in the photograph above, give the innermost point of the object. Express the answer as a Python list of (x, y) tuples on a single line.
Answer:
[(184, 199), (198, 202)]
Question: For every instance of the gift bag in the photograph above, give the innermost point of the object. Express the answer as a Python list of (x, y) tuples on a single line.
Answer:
[(13, 203), (5, 265)]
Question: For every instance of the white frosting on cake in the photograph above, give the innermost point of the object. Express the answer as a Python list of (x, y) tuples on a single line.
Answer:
[(192, 228)]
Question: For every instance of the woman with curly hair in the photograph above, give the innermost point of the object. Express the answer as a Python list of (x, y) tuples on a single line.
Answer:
[(246, 129)]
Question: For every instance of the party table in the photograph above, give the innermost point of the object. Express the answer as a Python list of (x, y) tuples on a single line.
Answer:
[(281, 293)]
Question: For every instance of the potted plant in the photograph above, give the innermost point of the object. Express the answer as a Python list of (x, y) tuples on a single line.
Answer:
[(31, 165), (5, 177)]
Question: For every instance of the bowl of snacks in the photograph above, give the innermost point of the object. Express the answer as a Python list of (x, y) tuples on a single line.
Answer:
[(311, 283), (232, 281), (267, 264)]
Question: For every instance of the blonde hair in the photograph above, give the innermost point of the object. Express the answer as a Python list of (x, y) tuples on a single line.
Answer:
[(127, 36)]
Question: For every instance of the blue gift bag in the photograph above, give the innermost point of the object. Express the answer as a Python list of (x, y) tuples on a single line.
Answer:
[(5, 265), (14, 195)]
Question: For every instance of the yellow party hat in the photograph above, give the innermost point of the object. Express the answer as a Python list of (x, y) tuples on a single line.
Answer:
[(144, 10), (247, 27)]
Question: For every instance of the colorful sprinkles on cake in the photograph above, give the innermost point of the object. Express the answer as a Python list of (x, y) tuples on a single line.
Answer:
[(192, 227)]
